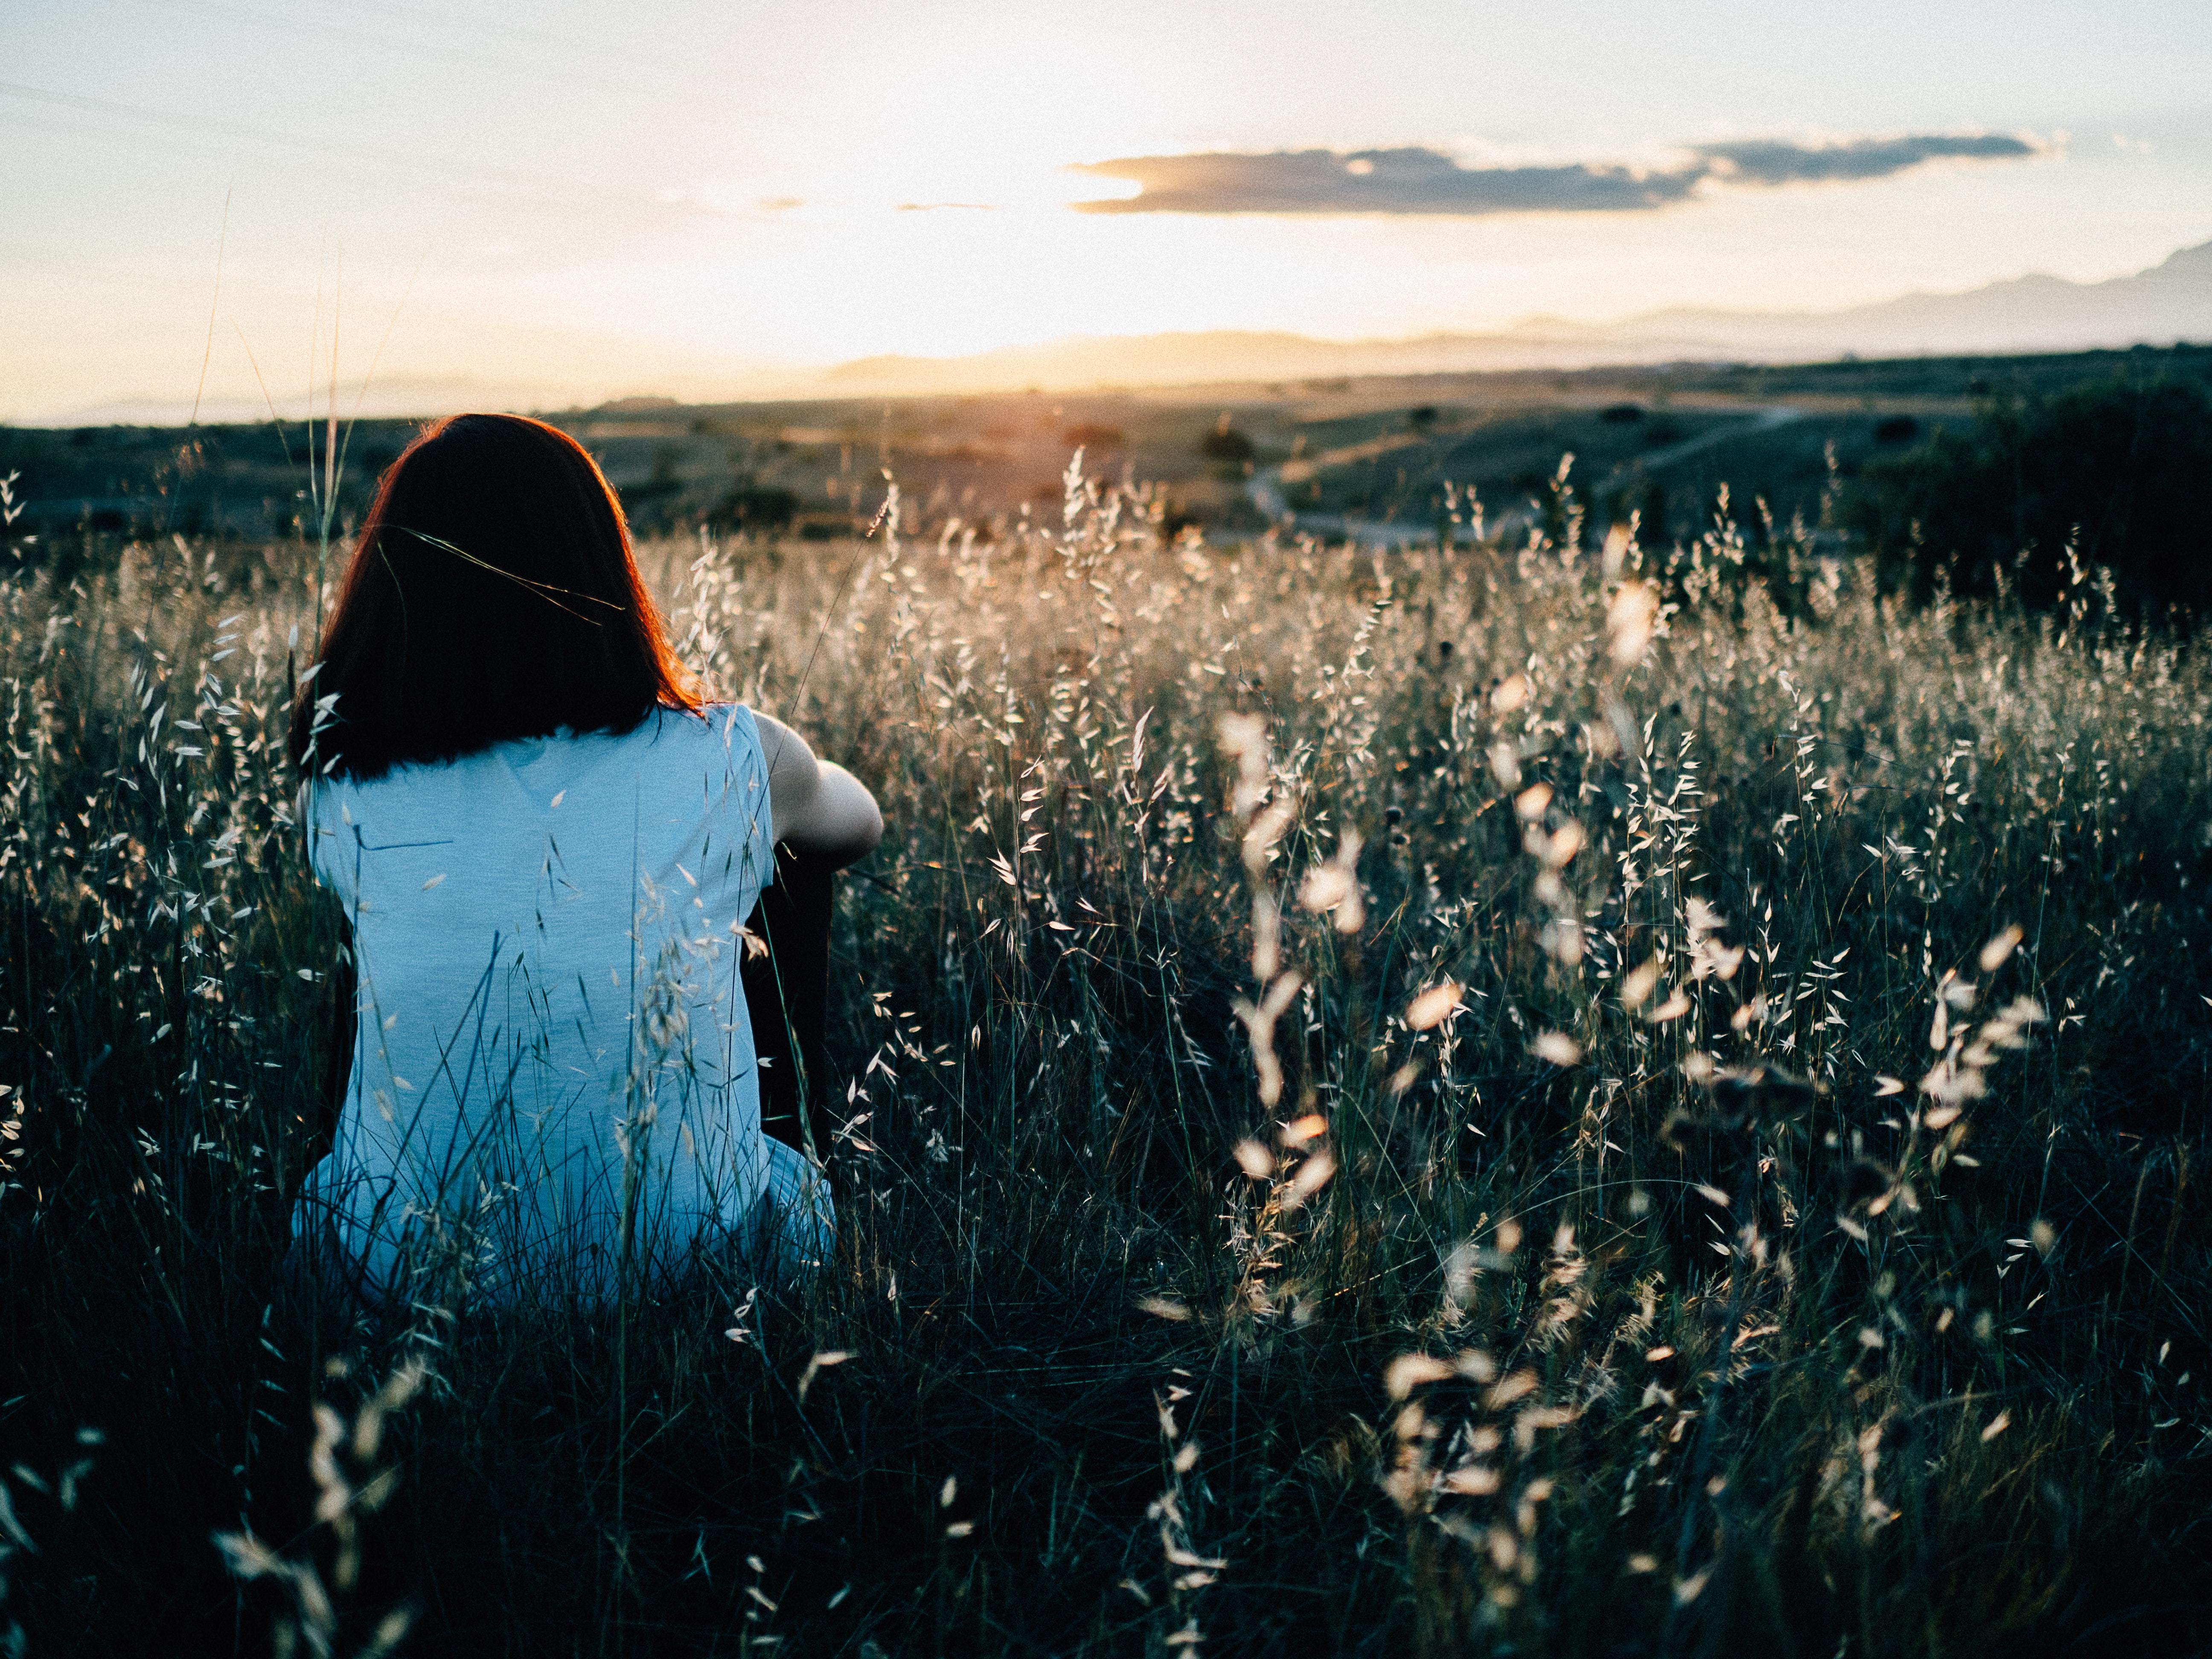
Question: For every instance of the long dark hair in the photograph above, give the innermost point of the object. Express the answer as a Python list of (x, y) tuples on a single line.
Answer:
[(492, 594)]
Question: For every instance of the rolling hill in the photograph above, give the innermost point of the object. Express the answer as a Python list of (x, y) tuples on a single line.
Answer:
[(2171, 300)]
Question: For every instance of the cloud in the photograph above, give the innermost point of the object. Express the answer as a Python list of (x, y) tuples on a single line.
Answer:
[(1768, 162), (1419, 180), (1372, 181)]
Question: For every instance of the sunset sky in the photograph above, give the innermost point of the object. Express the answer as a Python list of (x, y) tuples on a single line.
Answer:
[(558, 200)]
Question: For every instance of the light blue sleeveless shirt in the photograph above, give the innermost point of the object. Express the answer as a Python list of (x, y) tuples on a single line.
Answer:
[(553, 1076)]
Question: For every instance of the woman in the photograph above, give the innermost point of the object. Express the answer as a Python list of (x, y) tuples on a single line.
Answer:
[(547, 846)]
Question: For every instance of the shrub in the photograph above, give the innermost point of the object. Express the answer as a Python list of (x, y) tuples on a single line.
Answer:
[(2118, 472), (1226, 446), (751, 506)]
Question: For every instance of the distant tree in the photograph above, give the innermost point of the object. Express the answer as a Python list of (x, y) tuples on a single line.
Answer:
[(2122, 470), (29, 452), (1226, 446), (1896, 429), (1621, 414), (750, 504), (1423, 418), (650, 505)]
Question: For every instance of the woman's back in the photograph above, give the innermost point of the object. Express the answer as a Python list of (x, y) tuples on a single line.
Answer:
[(553, 1073), (553, 1077)]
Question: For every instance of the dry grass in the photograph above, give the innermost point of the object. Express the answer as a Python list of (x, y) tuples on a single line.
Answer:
[(1491, 1101)]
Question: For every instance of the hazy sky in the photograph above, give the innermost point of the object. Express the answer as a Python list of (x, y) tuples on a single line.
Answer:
[(657, 195)]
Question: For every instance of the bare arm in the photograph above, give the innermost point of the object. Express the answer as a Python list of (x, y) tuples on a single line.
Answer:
[(818, 805)]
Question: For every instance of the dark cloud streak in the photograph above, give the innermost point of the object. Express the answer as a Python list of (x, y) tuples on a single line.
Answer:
[(1766, 161), (1419, 180)]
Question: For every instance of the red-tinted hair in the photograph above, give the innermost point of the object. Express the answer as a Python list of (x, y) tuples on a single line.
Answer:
[(492, 594)]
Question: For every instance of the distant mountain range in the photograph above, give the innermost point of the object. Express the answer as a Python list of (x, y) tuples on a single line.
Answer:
[(2171, 302)]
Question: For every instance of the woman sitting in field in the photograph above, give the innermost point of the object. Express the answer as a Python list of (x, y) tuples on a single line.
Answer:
[(548, 847)]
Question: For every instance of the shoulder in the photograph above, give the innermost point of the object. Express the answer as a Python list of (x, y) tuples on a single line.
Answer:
[(322, 810), (725, 723), (714, 731), (718, 749), (332, 829)]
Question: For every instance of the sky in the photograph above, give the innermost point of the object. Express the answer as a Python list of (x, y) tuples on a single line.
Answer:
[(556, 201)]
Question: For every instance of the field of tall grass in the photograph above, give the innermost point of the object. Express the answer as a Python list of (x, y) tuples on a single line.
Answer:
[(1539, 1098)]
